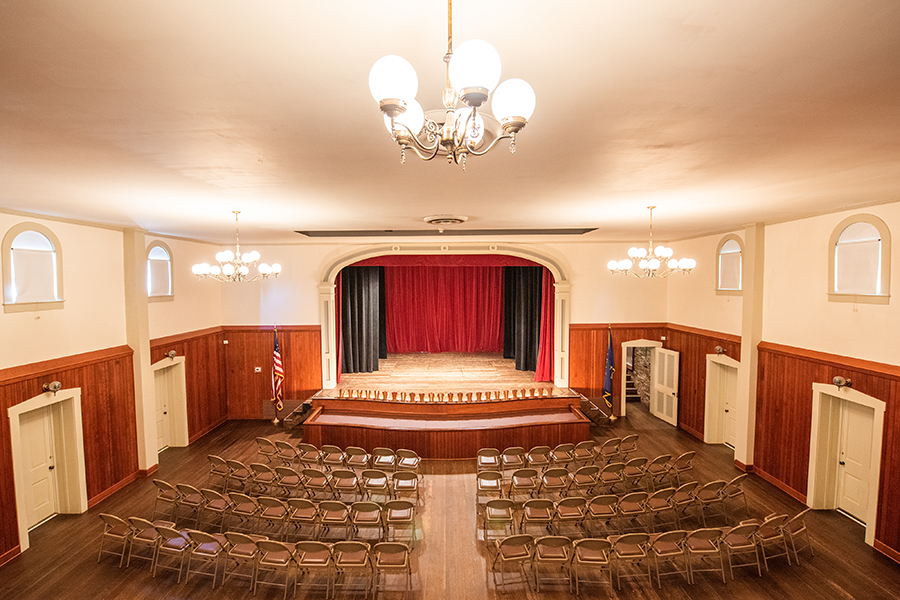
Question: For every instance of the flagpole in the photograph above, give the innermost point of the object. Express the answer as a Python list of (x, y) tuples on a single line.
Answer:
[(276, 422)]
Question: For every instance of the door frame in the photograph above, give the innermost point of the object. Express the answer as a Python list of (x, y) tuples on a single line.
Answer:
[(68, 440), (622, 384), (714, 411), (824, 449), (178, 421)]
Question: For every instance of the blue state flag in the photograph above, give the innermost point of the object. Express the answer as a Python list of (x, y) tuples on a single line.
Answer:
[(610, 369)]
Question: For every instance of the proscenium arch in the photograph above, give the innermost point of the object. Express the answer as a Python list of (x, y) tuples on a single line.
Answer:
[(561, 285)]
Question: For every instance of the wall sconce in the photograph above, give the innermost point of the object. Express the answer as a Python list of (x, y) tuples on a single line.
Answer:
[(720, 350), (841, 382), (171, 354), (53, 386)]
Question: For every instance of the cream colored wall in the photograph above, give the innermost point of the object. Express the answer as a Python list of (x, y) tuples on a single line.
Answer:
[(797, 310), (93, 316), (290, 299), (692, 299), (598, 296), (196, 304)]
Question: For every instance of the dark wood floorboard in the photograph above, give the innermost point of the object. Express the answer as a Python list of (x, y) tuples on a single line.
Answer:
[(450, 561)]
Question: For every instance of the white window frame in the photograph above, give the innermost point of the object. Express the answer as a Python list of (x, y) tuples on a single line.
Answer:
[(885, 274), (8, 283), (722, 242), (171, 295)]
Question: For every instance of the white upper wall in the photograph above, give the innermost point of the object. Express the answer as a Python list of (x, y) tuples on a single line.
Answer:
[(93, 316), (692, 299), (196, 304), (797, 311)]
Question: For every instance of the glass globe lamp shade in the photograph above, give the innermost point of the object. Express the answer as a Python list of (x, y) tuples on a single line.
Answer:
[(227, 256), (642, 252), (626, 264), (633, 252), (653, 263), (475, 63), (247, 257), (276, 268), (687, 263), (611, 265), (215, 270), (513, 98), (660, 251), (413, 119), (220, 256), (196, 269), (254, 256), (244, 269), (643, 264), (393, 77), (476, 126), (669, 252), (227, 269), (673, 263), (264, 268)]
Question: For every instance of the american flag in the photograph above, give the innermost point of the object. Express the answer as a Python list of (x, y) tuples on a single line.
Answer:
[(277, 377)]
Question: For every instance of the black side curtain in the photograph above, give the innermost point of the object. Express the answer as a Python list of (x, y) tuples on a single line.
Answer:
[(363, 332), (522, 288)]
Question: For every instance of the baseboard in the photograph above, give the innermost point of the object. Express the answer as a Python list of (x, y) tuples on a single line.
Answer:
[(745, 468), (148, 472), (692, 431), (781, 485), (112, 490), (887, 551), (9, 555), (210, 428)]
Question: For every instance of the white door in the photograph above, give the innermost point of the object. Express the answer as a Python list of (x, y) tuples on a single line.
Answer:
[(855, 458), (664, 403), (161, 379), (728, 389), (38, 452)]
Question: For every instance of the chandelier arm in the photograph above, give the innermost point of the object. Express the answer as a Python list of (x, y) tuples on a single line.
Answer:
[(425, 157), (417, 143), (505, 136)]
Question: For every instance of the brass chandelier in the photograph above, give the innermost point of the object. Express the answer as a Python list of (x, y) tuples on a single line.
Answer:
[(472, 74), (652, 262), (234, 267)]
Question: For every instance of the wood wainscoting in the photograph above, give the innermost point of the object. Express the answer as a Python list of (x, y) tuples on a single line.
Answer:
[(784, 421), (587, 360), (106, 380)]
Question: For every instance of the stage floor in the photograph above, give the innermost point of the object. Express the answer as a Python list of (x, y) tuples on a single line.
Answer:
[(444, 372)]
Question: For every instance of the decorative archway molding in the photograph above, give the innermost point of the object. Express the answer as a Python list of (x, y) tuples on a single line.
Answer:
[(555, 264), (824, 449)]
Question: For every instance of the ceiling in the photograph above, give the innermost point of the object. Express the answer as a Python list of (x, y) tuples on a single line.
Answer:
[(169, 114)]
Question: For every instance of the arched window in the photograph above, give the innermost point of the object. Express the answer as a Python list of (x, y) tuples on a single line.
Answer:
[(159, 271), (729, 264), (32, 269), (859, 260)]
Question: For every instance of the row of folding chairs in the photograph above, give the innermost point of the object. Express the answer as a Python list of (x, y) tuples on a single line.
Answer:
[(210, 507), (257, 558), (338, 482), (752, 543), (443, 397), (330, 456), (644, 511)]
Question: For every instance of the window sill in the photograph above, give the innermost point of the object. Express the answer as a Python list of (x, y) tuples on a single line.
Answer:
[(19, 307), (720, 292), (168, 298), (859, 298)]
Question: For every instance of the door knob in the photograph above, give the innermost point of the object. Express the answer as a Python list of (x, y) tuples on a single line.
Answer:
[(726, 410), (50, 468), (842, 463)]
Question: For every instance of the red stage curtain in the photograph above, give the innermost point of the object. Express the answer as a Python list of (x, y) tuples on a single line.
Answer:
[(544, 371), (444, 309)]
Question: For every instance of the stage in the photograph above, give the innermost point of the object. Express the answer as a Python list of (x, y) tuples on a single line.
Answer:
[(445, 405)]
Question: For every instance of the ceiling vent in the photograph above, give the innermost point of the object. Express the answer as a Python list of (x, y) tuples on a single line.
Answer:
[(446, 219)]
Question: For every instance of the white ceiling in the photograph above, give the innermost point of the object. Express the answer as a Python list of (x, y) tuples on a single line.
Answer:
[(168, 114)]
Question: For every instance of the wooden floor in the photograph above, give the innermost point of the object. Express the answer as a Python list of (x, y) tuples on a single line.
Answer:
[(450, 561)]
